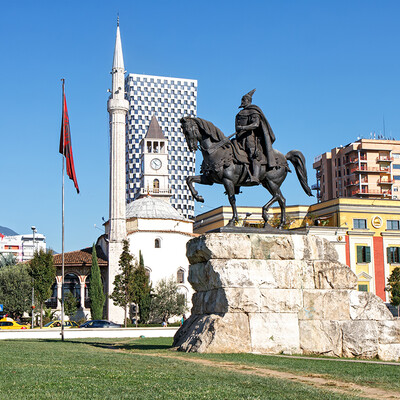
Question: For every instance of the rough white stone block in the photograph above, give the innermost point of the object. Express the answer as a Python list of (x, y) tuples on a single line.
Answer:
[(389, 352), (333, 275), (280, 300), (218, 245), (227, 333), (274, 332), (360, 338), (389, 331), (366, 305), (321, 337), (325, 304)]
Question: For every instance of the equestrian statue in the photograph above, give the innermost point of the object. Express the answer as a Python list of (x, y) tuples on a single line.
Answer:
[(246, 160)]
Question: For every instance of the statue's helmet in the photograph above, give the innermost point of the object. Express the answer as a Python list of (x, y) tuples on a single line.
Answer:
[(247, 98)]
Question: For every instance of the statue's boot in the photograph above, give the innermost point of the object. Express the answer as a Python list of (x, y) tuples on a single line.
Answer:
[(256, 173)]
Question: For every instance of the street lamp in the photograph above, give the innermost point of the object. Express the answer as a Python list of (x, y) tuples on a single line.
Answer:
[(33, 289)]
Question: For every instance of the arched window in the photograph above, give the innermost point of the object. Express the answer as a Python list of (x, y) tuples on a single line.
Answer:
[(180, 276), (157, 243), (156, 186), (71, 284)]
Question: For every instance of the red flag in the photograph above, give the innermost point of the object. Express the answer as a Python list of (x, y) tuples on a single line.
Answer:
[(65, 143)]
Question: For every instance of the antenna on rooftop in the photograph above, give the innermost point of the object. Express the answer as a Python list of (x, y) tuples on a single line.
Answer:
[(383, 120)]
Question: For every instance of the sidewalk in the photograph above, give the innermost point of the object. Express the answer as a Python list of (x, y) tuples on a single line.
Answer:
[(55, 333)]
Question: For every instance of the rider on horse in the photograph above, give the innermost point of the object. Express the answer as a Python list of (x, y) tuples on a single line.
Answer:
[(255, 136)]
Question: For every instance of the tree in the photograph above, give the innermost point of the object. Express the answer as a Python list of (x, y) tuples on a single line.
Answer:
[(7, 259), (124, 287), (142, 295), (96, 293), (70, 304), (167, 301), (15, 289), (394, 288), (43, 272)]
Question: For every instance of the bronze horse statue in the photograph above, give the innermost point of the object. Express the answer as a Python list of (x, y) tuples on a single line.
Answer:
[(224, 162)]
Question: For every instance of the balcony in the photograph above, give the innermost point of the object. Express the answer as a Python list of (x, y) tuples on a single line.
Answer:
[(351, 161), (315, 186), (384, 159), (372, 192), (385, 181), (364, 168), (157, 191), (356, 182)]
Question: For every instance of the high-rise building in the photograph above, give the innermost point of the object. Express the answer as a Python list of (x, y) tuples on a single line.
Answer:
[(367, 168), (168, 100)]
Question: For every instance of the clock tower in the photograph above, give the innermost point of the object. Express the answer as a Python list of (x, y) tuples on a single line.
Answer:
[(154, 163)]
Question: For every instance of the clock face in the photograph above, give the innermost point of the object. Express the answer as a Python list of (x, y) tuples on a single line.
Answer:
[(155, 163)]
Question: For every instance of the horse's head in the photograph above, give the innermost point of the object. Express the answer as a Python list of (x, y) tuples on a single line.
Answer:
[(191, 132)]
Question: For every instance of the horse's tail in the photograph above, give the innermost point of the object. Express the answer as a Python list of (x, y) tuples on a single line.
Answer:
[(297, 159)]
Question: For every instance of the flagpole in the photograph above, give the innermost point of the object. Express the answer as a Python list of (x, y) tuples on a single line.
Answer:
[(62, 265)]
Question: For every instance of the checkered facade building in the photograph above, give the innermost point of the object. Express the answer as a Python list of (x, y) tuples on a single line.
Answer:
[(168, 99)]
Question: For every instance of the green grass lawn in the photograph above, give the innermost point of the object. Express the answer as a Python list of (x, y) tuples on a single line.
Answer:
[(120, 368)]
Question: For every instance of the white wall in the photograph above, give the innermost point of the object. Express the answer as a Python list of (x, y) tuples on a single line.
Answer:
[(165, 261)]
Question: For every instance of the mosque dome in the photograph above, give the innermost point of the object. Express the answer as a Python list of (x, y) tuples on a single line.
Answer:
[(152, 208)]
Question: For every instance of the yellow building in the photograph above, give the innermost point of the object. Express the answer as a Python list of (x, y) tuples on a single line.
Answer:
[(248, 216)]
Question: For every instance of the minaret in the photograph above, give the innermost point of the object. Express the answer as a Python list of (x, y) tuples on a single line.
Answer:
[(117, 108)]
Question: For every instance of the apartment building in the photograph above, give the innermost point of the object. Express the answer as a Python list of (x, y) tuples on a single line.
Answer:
[(367, 168)]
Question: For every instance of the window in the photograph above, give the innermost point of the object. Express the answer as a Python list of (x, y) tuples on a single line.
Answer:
[(359, 224), (157, 243), (363, 254), (393, 255), (156, 185), (72, 284), (393, 225), (396, 166), (363, 288), (396, 177), (180, 276)]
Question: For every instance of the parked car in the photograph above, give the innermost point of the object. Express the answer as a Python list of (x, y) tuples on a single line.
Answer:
[(57, 324), (99, 323), (9, 323)]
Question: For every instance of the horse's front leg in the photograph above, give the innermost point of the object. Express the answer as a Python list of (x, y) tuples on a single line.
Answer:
[(190, 180), (230, 191)]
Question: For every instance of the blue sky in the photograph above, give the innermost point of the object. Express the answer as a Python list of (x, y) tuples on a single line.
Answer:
[(326, 72)]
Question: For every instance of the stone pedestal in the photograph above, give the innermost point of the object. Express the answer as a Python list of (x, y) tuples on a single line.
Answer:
[(274, 293)]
